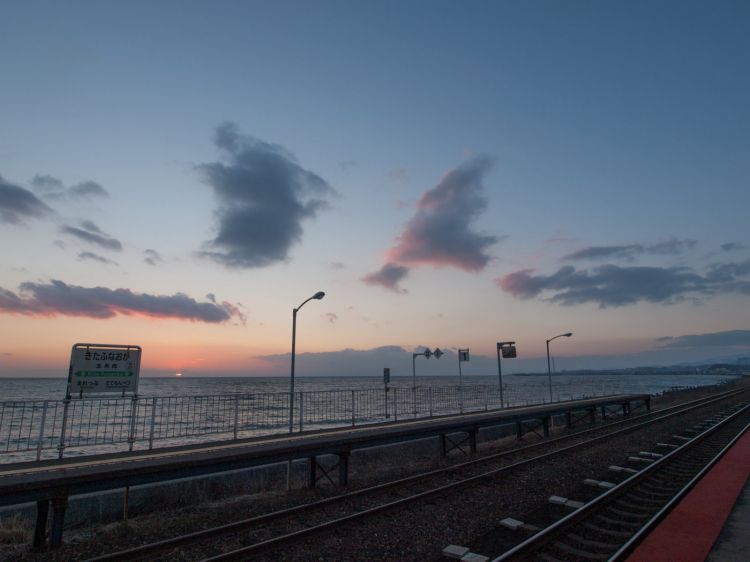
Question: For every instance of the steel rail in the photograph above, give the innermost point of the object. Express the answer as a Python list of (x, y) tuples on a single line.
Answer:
[(534, 545), (242, 553), (654, 416), (629, 546)]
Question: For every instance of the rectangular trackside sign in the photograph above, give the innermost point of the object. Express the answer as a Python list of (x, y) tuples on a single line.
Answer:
[(103, 368)]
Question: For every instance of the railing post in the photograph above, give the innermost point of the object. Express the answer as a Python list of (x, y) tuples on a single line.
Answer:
[(385, 400), (395, 404), (301, 411), (41, 432), (354, 418), (133, 413), (414, 399), (460, 399), (153, 423), (61, 446), (236, 413), (429, 392)]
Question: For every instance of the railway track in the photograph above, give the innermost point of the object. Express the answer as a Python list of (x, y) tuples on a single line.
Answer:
[(610, 526), (247, 538)]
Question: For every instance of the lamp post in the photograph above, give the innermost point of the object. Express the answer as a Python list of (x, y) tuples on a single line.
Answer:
[(549, 371), (319, 295)]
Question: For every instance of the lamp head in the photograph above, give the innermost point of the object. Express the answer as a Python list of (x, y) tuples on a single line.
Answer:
[(319, 295), (568, 334)]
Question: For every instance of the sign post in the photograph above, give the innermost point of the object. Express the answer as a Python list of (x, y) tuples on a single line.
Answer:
[(508, 351), (99, 369), (463, 355)]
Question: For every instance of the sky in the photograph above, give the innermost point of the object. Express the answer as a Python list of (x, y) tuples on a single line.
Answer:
[(181, 175)]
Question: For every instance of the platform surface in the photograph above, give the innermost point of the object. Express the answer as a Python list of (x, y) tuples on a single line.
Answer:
[(733, 544)]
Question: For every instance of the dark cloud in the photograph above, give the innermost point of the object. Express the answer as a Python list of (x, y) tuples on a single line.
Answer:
[(611, 285), (90, 256), (730, 338), (731, 275), (18, 204), (337, 265), (440, 232), (264, 197), (733, 246), (87, 189), (629, 252), (152, 257), (671, 247), (58, 298), (53, 188), (92, 234), (606, 252), (331, 317), (46, 185), (389, 276)]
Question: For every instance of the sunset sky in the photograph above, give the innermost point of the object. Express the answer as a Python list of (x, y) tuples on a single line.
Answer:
[(180, 175)]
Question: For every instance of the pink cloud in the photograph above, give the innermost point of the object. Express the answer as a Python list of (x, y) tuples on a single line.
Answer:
[(440, 233)]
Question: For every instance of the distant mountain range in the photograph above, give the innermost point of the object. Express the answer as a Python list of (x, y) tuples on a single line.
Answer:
[(725, 360)]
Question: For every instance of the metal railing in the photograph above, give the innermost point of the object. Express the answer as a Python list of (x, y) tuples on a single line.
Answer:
[(37, 429)]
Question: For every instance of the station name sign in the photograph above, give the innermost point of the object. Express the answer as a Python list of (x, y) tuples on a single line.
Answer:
[(104, 368)]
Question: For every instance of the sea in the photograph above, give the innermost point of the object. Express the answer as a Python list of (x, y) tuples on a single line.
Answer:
[(180, 410), (19, 389)]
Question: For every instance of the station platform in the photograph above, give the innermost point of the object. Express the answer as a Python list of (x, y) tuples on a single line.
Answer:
[(50, 483), (712, 523)]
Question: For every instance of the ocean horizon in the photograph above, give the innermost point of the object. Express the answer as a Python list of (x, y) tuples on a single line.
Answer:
[(53, 388)]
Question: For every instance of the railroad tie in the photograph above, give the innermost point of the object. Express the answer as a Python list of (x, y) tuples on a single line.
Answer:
[(682, 438), (648, 454), (630, 506), (667, 445), (565, 502), (570, 550), (599, 483), (463, 553), (610, 522), (583, 541), (516, 525), (626, 515), (544, 557), (608, 532), (640, 459), (454, 551), (622, 470)]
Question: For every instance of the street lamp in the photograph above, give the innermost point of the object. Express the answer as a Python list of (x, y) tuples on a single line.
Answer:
[(317, 296), (549, 371)]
